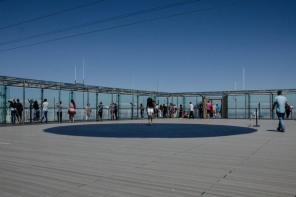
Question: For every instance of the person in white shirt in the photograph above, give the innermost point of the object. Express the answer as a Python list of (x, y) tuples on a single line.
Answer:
[(88, 111), (191, 110), (44, 110)]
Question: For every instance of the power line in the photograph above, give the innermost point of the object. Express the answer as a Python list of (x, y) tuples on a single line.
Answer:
[(101, 21), (128, 24), (52, 14)]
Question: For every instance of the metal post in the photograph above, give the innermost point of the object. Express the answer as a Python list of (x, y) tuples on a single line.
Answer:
[(54, 102), (168, 102), (256, 119), (245, 106), (24, 102), (133, 106), (87, 96), (137, 106), (41, 108), (97, 106), (271, 105), (111, 106), (61, 112), (259, 106), (178, 106), (4, 104), (118, 107), (196, 112)]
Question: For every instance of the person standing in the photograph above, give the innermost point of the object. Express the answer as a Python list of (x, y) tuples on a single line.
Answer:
[(60, 111), (36, 108), (191, 110), (111, 107), (280, 102), (209, 107), (218, 110), (19, 110), (71, 111), (100, 113), (88, 111), (115, 111), (44, 110), (288, 110), (150, 111), (200, 110), (142, 110), (214, 110), (12, 107), (181, 112)]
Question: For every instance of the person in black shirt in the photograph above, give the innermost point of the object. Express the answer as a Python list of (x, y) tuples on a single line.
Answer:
[(19, 110)]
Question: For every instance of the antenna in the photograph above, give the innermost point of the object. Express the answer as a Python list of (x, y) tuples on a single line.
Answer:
[(75, 75), (83, 73)]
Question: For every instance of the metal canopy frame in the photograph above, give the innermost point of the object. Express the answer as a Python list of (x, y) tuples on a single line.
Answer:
[(41, 84)]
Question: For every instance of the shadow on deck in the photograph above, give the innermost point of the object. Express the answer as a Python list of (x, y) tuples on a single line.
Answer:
[(144, 131)]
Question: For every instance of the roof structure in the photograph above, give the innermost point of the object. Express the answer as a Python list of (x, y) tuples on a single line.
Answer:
[(41, 84)]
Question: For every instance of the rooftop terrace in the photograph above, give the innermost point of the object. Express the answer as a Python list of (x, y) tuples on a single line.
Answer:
[(174, 157)]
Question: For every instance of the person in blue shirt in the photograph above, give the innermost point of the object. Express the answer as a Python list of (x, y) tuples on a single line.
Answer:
[(280, 102)]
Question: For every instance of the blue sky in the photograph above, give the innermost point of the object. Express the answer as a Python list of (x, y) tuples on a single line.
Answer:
[(202, 51)]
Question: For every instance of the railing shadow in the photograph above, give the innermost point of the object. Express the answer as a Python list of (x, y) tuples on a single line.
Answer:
[(145, 131)]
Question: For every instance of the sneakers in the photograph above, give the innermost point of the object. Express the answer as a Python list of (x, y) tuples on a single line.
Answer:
[(283, 130), (278, 129)]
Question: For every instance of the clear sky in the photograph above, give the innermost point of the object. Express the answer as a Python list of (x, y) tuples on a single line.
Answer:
[(202, 51)]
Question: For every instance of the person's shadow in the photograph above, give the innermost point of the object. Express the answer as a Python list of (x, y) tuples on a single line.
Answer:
[(144, 131)]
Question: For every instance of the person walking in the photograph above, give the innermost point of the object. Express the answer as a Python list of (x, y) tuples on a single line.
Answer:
[(191, 110), (19, 111), (12, 107), (88, 111), (100, 113), (288, 110), (60, 111), (150, 108), (44, 110), (280, 102), (71, 111)]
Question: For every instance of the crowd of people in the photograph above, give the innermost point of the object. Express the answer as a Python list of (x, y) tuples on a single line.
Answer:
[(171, 111), (159, 111)]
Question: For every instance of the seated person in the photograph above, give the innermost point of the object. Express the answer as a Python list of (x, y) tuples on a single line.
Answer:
[(185, 115)]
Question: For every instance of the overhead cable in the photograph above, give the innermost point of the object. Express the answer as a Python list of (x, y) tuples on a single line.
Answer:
[(52, 14), (128, 24), (100, 21)]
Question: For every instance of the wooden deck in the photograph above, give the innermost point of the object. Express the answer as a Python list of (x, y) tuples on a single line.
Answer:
[(172, 158)]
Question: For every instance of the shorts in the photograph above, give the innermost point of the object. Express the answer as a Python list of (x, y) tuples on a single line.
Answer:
[(150, 110)]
